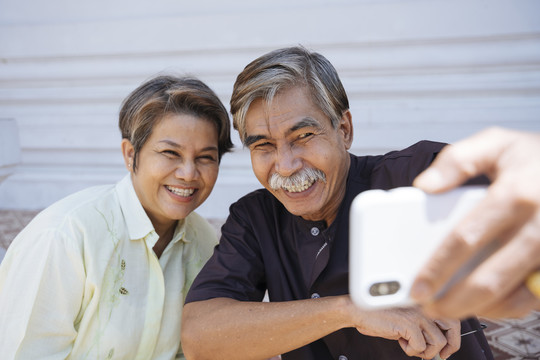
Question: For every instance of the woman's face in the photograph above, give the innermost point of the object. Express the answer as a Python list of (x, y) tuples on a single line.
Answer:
[(177, 167)]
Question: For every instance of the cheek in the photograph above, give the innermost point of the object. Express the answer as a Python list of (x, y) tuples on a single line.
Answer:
[(210, 175), (150, 180), (261, 168), (151, 166)]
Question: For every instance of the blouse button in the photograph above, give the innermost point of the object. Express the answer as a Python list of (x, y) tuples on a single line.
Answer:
[(314, 231), (315, 296)]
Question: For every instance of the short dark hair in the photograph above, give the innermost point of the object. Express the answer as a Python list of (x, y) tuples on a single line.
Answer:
[(168, 94)]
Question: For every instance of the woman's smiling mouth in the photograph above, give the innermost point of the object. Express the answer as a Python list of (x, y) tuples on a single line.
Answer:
[(184, 192)]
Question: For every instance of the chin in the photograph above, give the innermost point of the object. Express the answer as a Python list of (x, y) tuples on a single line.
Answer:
[(179, 215)]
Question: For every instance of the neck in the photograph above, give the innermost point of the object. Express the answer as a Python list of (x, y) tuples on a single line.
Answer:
[(165, 237)]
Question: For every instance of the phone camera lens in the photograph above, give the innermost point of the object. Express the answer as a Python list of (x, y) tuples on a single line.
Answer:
[(384, 288)]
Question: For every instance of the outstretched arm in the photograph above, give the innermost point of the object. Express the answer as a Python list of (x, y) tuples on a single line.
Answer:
[(252, 330)]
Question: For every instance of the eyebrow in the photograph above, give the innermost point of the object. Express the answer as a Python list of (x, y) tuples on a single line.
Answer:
[(305, 122), (173, 144), (250, 139)]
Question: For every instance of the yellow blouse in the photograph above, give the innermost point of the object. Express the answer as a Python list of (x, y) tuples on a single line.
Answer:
[(81, 281)]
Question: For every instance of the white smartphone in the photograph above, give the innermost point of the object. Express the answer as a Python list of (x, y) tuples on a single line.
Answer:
[(393, 233)]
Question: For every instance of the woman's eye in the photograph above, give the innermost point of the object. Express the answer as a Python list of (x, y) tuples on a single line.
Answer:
[(169, 152), (208, 158)]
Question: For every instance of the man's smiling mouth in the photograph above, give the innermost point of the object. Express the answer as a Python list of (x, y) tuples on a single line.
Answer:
[(306, 184)]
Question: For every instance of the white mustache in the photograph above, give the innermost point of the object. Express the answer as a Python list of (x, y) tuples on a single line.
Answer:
[(297, 179)]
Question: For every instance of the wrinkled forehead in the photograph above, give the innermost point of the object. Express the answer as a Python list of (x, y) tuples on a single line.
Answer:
[(291, 104)]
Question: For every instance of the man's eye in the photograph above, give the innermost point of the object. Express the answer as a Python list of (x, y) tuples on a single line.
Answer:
[(305, 135), (262, 145)]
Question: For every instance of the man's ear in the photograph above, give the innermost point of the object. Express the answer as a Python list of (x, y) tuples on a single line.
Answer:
[(346, 128), (128, 152)]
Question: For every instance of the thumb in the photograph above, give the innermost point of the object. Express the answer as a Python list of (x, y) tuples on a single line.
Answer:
[(465, 159)]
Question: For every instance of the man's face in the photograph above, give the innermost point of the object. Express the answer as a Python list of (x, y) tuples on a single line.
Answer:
[(294, 142)]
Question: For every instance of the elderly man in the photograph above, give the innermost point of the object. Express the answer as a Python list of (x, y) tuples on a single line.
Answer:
[(291, 238)]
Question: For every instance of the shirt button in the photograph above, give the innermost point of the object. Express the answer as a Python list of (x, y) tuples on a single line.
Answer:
[(314, 231), (342, 357), (315, 296)]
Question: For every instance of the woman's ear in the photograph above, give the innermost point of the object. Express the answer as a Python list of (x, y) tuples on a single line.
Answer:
[(346, 128), (128, 151)]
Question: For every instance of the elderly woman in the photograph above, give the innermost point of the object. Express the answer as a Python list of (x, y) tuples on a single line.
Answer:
[(102, 274)]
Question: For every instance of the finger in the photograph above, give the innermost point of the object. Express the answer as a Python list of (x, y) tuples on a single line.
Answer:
[(501, 154), (459, 246), (463, 160), (517, 305), (404, 344), (452, 332), (425, 341), (494, 279), (411, 350), (407, 349), (413, 342), (435, 340), (489, 220)]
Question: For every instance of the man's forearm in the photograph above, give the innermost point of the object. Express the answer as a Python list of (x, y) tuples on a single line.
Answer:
[(255, 330)]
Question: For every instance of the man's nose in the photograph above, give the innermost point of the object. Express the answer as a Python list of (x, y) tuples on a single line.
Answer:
[(287, 161)]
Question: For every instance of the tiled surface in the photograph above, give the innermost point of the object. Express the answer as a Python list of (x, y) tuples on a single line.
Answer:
[(509, 339), (515, 339), (11, 222)]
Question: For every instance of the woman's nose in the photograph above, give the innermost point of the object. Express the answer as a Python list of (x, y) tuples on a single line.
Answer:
[(187, 171)]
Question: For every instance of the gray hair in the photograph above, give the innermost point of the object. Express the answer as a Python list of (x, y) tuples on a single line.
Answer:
[(283, 69)]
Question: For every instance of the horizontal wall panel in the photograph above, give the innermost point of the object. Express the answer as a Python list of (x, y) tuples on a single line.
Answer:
[(413, 70), (244, 27), (37, 186), (486, 110), (352, 59), (381, 139)]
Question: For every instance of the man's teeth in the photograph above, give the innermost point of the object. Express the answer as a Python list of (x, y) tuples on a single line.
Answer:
[(181, 192), (306, 184)]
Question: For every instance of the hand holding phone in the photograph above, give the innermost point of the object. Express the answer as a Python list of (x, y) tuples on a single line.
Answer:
[(393, 233)]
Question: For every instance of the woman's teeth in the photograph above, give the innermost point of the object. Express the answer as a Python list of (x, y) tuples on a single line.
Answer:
[(181, 192)]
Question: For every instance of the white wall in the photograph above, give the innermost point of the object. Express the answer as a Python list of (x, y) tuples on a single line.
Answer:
[(414, 69)]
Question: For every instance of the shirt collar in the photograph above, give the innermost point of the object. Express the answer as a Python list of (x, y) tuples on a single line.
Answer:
[(180, 232), (138, 223)]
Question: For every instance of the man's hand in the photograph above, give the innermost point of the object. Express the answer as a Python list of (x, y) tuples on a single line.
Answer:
[(417, 334), (509, 217)]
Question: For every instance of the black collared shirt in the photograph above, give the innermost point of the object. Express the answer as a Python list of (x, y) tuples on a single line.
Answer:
[(263, 248)]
